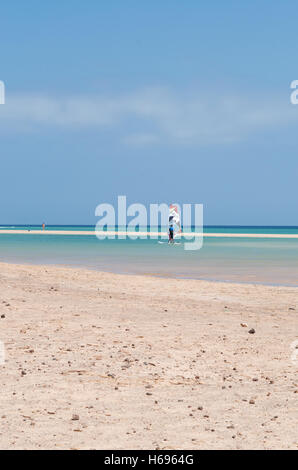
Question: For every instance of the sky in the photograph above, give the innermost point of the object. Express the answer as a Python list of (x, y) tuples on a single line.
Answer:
[(161, 101)]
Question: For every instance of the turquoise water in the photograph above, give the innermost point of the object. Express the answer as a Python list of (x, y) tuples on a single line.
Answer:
[(269, 261)]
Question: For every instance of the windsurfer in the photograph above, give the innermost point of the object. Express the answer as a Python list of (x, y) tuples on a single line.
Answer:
[(171, 234)]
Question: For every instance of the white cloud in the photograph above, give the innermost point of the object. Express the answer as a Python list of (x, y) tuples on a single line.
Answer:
[(141, 139), (150, 116)]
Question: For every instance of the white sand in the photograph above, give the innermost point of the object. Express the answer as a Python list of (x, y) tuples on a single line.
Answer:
[(147, 234), (145, 363)]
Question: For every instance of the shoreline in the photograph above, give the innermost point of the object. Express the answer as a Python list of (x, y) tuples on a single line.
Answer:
[(146, 234), (96, 360), (152, 274)]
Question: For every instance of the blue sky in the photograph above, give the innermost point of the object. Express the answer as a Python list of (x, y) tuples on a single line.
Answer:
[(161, 101)]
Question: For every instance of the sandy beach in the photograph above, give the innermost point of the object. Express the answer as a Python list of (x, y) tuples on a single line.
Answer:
[(112, 233), (105, 361)]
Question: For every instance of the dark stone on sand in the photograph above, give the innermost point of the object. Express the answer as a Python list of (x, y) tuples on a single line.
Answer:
[(252, 331)]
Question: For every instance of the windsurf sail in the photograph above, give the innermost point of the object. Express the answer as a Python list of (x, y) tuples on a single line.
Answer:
[(174, 220)]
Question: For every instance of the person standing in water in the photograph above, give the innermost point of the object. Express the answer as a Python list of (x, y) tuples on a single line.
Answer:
[(43, 226), (171, 234)]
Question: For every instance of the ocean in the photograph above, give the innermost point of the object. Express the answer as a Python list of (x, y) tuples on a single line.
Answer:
[(272, 261)]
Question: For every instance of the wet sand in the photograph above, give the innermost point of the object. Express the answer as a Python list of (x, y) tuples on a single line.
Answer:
[(105, 361)]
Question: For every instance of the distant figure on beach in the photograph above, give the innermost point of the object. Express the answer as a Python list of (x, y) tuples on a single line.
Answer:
[(43, 226)]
